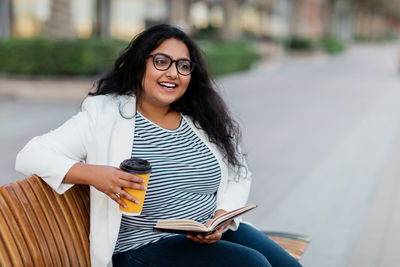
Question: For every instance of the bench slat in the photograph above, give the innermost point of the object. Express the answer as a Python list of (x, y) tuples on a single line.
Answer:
[(79, 235), (294, 244), (38, 227), (13, 236), (9, 253), (30, 226), (57, 210), (40, 213), (59, 255)]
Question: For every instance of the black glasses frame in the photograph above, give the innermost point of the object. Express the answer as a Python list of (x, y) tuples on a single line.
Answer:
[(192, 64)]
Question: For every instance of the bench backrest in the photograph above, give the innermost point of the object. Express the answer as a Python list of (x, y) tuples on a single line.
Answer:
[(38, 227)]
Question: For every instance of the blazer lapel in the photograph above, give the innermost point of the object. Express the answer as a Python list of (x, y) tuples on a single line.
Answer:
[(120, 149), (122, 137)]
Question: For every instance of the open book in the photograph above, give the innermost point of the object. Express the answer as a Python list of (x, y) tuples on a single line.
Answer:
[(190, 226)]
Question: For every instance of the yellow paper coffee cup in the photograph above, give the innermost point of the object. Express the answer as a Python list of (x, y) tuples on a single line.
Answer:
[(140, 168)]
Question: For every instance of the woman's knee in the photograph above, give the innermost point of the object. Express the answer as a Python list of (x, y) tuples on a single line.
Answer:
[(250, 257), (258, 241)]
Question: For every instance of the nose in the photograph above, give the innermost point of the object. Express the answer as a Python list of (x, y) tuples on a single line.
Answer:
[(172, 72)]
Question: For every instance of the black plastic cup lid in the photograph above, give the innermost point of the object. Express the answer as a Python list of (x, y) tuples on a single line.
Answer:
[(136, 165)]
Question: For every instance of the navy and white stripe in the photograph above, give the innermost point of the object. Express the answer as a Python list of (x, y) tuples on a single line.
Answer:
[(183, 183)]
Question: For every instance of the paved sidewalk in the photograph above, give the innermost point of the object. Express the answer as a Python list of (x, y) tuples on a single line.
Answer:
[(45, 89), (378, 245)]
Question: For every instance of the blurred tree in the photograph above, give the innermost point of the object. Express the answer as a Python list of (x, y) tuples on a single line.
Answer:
[(179, 11), (59, 24), (379, 16), (389, 7), (294, 17), (5, 18), (264, 7), (229, 30), (102, 21), (328, 17)]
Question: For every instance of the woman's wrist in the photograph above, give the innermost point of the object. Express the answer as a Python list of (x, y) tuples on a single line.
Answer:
[(79, 173)]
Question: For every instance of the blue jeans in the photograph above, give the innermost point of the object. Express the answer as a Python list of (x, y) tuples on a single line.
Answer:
[(244, 247)]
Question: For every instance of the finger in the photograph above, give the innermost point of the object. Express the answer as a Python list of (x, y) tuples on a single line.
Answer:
[(202, 238), (193, 238), (222, 228), (133, 185), (208, 241), (216, 236), (226, 225), (126, 195), (212, 236), (117, 199), (199, 239), (208, 222), (130, 177)]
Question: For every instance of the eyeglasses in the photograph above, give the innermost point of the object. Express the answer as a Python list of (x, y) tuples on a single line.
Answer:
[(163, 62)]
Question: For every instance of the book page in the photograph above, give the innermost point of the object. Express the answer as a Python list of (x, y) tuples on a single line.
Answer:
[(225, 217), (180, 224)]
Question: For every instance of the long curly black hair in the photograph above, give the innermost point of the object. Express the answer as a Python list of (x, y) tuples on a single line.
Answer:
[(200, 101)]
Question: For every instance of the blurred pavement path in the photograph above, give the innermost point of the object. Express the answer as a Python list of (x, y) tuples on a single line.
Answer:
[(322, 136), (39, 89)]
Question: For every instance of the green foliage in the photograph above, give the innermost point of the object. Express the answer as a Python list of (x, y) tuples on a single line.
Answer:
[(332, 45), (228, 57), (387, 37), (300, 44), (329, 44), (209, 33), (40, 56)]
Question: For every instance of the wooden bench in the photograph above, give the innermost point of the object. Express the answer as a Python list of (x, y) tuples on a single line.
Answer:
[(38, 227)]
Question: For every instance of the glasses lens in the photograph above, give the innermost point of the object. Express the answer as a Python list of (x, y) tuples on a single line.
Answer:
[(184, 66), (161, 62)]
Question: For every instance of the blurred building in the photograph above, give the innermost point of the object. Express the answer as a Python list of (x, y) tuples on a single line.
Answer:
[(122, 19)]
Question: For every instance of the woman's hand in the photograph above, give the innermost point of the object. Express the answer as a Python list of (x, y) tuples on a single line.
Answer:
[(109, 180), (214, 236)]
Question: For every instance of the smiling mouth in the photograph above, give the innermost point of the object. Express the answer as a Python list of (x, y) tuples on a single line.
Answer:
[(168, 85)]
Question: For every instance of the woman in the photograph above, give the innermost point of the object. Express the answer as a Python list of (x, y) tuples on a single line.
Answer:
[(158, 104)]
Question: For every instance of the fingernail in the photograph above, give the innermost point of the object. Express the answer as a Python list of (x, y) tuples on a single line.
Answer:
[(136, 201), (144, 188)]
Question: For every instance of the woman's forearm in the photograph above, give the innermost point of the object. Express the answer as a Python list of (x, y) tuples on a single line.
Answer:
[(80, 173)]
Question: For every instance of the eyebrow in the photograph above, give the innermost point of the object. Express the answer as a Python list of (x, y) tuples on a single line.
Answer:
[(171, 57)]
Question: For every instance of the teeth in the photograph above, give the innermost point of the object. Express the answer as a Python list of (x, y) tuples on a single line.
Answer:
[(169, 85)]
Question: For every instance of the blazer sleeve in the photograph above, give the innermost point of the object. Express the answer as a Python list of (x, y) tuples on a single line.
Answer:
[(51, 155)]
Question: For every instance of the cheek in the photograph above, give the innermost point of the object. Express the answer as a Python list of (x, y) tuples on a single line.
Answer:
[(187, 81), (151, 73), (150, 78)]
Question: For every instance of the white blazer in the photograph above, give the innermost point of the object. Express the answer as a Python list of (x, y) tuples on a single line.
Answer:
[(100, 135)]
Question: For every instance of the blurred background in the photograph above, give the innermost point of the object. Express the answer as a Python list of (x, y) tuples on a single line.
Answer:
[(313, 83)]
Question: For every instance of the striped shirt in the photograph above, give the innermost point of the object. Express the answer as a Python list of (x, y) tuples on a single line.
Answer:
[(183, 183)]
